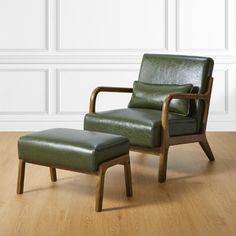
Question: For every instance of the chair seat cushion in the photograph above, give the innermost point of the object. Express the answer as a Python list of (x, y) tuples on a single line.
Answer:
[(141, 126), (71, 149)]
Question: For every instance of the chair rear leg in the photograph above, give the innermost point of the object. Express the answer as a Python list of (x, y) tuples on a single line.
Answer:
[(206, 148), (163, 165), (53, 174), (21, 177)]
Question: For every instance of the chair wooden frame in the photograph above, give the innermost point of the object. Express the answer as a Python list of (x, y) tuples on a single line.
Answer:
[(167, 140)]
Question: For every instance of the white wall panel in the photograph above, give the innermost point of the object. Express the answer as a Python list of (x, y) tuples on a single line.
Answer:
[(201, 25), (219, 99), (53, 53), (23, 92), (76, 86), (111, 24), (23, 25)]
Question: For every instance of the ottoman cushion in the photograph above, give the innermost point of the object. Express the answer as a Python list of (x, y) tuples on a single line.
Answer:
[(70, 148)]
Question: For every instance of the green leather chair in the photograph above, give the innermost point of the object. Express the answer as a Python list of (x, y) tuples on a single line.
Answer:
[(169, 106)]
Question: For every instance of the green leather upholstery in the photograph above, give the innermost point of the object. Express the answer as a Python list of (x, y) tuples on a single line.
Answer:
[(152, 96), (141, 126), (178, 69), (72, 149)]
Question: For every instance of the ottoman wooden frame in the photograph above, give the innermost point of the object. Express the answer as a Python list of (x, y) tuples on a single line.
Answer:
[(121, 160)]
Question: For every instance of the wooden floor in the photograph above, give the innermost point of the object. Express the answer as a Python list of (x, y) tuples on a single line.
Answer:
[(199, 197)]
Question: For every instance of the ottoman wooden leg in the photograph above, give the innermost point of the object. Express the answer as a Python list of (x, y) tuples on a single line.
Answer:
[(100, 189), (53, 174), (21, 177), (128, 179)]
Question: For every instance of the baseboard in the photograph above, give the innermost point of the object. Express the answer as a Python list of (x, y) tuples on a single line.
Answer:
[(38, 125), (41, 125), (221, 126)]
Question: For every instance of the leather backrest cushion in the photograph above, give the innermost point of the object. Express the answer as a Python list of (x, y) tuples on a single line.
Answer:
[(176, 69), (152, 96), (179, 69)]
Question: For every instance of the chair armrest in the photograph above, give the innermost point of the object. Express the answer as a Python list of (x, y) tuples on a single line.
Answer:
[(185, 96), (97, 90)]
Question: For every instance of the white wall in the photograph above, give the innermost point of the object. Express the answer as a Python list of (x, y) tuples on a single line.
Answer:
[(54, 52)]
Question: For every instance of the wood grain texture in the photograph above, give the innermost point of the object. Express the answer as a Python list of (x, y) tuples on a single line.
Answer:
[(21, 177), (199, 197)]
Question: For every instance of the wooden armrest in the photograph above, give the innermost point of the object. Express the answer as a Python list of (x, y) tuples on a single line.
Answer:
[(190, 96), (185, 96), (97, 90)]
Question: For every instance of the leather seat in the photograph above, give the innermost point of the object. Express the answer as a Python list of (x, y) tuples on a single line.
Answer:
[(71, 149), (141, 126)]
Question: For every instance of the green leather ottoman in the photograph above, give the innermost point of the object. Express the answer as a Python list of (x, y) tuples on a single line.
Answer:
[(77, 150)]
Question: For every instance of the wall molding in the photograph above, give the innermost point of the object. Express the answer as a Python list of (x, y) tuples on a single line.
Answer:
[(58, 77), (111, 50), (71, 59), (35, 50), (226, 92), (226, 36), (53, 59), (100, 59), (46, 111), (36, 125)]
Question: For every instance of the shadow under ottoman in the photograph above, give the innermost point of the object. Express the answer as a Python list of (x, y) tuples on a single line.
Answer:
[(77, 150)]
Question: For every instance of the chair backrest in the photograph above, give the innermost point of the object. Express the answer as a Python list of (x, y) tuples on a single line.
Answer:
[(178, 69)]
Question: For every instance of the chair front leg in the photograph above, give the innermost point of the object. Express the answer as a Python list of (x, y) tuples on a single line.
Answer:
[(100, 189), (128, 179), (163, 164)]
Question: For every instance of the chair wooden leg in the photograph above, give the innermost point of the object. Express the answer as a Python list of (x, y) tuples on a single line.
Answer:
[(128, 179), (163, 165), (21, 177), (207, 149), (53, 174), (100, 189)]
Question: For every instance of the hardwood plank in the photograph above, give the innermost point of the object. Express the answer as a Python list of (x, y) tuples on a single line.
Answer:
[(198, 198)]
